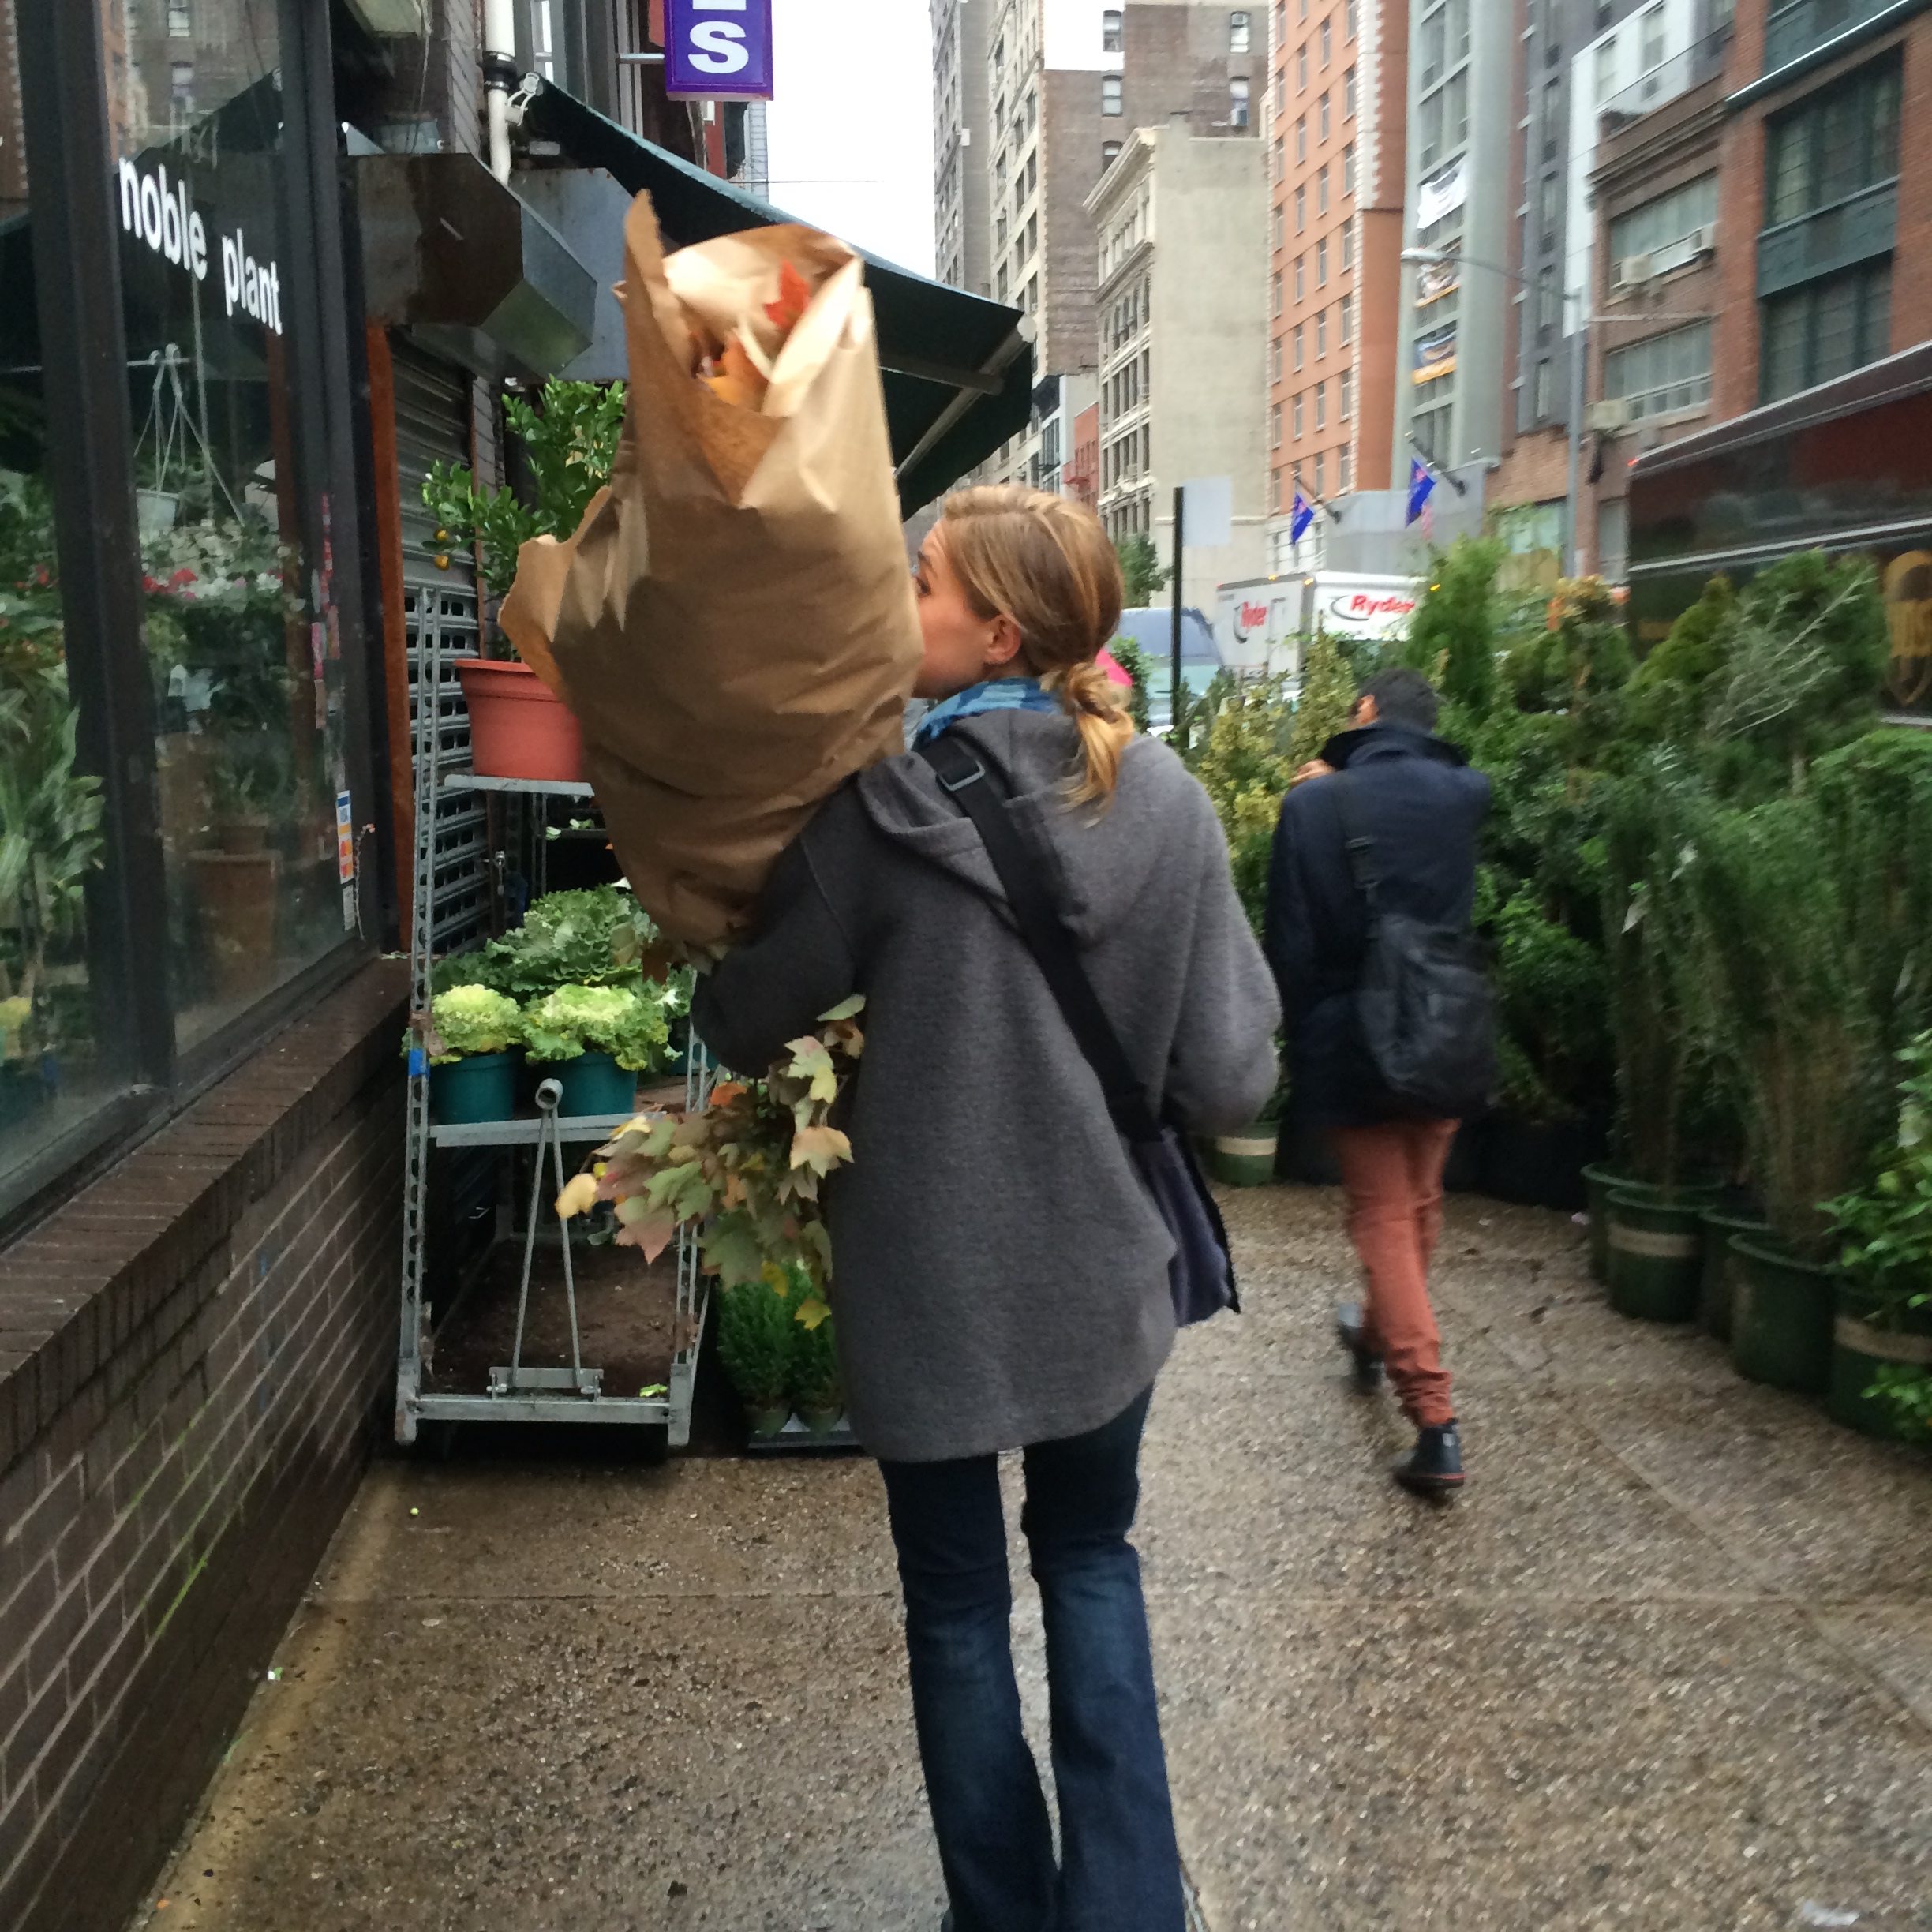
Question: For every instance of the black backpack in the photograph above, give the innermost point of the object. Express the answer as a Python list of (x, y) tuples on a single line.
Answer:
[(1424, 1010)]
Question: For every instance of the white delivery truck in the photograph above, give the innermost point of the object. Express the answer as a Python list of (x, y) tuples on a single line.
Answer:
[(1262, 623)]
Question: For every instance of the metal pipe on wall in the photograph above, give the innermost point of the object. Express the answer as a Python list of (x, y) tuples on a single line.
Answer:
[(500, 76)]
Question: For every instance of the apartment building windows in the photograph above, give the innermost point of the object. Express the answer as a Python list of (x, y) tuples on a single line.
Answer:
[(1110, 94), (1275, 427), (1321, 333), (1112, 34), (1297, 417), (1301, 277), (1348, 243), (1301, 208), (1109, 153), (1241, 33), (1298, 345), (1353, 21), (1281, 226), (1277, 288), (1663, 372), (1348, 394), (1321, 192), (1651, 54), (1823, 329), (1301, 69), (1322, 109), (1281, 159), (180, 21), (1321, 406), (1237, 102), (1274, 360), (1670, 218), (1348, 169), (1327, 44), (1346, 331), (1833, 146), (1345, 471), (1348, 95), (1321, 473), (1302, 138), (1321, 262)]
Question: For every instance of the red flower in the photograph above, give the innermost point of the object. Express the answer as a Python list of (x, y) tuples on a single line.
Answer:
[(181, 577)]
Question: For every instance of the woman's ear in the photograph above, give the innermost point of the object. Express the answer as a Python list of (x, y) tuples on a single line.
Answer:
[(1003, 640)]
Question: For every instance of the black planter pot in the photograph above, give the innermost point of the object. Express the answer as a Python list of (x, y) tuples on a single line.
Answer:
[(1541, 1166)]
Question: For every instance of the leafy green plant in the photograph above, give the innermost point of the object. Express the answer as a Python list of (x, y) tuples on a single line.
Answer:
[(1905, 1393), (1132, 659), (576, 1020), (1887, 1224), (817, 1383), (596, 936), (569, 440), (1143, 576), (471, 1020), (1668, 690), (1325, 702), (1452, 638), (745, 1169), (1244, 767), (758, 1327)]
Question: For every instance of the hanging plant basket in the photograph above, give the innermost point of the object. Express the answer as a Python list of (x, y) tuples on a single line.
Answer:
[(518, 727)]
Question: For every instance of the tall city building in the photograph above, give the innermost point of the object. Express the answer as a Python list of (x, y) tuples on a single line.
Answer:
[(1067, 81), (962, 144), (1336, 156), (1458, 303), (1184, 327)]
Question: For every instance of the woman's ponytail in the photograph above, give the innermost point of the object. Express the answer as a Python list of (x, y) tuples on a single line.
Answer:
[(1045, 562)]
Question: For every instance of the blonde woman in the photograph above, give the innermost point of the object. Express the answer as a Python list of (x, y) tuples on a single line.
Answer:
[(1002, 1273)]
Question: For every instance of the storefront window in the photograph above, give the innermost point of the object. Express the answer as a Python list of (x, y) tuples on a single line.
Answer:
[(242, 644), (52, 1072)]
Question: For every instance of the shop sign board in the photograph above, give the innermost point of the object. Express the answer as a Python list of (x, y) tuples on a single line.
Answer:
[(718, 49)]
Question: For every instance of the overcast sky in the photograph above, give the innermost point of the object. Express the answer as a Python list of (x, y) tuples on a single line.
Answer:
[(851, 122)]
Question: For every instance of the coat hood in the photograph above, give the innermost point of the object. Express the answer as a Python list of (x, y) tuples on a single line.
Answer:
[(1101, 856), (1367, 740)]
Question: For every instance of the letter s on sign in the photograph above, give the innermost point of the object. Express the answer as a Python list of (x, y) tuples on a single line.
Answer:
[(718, 47)]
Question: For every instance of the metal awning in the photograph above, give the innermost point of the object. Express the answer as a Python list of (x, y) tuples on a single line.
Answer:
[(958, 369), (449, 254)]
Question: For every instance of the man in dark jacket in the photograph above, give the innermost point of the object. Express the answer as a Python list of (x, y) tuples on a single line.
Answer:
[(1414, 796)]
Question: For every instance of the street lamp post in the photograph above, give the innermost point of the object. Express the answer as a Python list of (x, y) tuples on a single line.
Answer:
[(1579, 338)]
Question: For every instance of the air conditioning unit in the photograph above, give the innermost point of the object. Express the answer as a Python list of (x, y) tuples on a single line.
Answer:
[(1606, 419), (1632, 271), (1682, 253)]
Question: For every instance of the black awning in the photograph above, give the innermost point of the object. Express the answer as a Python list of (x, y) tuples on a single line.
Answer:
[(958, 369), (450, 254)]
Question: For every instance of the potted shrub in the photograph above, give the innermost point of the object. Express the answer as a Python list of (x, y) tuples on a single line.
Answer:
[(1653, 1240), (595, 1041), (756, 1327), (818, 1388), (1883, 1334), (473, 1034), (518, 728), (1799, 1045), (1247, 1158)]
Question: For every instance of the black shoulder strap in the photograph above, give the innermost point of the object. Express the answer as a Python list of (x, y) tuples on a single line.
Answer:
[(981, 795), (1355, 841)]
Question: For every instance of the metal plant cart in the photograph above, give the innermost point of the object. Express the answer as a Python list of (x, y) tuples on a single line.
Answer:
[(514, 1392)]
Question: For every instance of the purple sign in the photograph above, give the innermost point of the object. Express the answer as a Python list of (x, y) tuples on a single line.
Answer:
[(718, 49)]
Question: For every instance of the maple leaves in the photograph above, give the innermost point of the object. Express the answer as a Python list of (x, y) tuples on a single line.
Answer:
[(745, 1169)]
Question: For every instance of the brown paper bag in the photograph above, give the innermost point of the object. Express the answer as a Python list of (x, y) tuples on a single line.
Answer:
[(733, 622)]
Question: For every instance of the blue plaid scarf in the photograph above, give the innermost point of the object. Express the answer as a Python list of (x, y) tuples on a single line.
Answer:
[(1007, 694)]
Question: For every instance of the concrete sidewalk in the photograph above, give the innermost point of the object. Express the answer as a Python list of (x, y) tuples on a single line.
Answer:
[(1667, 1665)]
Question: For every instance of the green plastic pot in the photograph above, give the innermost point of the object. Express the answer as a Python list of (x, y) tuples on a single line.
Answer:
[(1718, 1291), (1656, 1256), (1247, 1158), (466, 1092), (822, 1422), (1600, 1181), (593, 1083), (1781, 1318), (1864, 1340), (767, 1422)]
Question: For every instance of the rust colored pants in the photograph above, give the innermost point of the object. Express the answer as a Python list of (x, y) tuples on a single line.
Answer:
[(1393, 1176)]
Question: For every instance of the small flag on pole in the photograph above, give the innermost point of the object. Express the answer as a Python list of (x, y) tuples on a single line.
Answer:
[(1422, 487), (1302, 515)]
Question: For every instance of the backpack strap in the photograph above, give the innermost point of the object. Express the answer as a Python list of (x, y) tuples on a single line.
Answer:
[(1357, 843), (982, 793)]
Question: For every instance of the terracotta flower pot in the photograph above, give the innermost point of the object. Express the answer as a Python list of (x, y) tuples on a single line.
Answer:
[(518, 728)]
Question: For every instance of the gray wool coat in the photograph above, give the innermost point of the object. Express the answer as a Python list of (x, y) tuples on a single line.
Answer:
[(1000, 1271)]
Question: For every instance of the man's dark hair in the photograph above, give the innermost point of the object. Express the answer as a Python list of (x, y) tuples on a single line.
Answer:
[(1403, 697)]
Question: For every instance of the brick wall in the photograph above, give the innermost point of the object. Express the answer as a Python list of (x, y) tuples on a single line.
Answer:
[(195, 1354)]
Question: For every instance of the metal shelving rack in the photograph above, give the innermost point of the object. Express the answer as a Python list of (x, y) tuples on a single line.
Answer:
[(515, 1393)]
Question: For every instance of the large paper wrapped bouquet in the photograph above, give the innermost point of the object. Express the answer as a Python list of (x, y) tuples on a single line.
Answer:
[(733, 623)]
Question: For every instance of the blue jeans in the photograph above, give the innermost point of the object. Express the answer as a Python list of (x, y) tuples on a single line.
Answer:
[(1120, 1868)]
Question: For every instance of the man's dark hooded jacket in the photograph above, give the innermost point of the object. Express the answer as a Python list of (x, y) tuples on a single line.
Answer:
[(1416, 799)]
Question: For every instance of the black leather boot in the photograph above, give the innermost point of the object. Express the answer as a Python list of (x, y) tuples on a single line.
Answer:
[(1435, 1466), (1351, 1331)]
